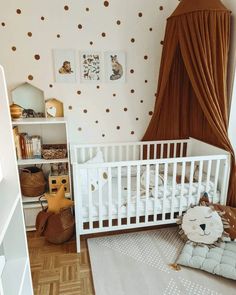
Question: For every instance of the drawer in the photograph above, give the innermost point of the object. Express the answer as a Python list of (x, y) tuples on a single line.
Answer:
[(30, 213)]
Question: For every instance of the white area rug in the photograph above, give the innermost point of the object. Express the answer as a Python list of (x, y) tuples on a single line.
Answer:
[(138, 264)]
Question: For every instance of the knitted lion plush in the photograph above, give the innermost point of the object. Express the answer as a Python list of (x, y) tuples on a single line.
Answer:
[(202, 225)]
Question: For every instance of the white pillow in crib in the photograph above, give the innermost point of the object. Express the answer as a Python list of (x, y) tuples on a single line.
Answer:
[(90, 177)]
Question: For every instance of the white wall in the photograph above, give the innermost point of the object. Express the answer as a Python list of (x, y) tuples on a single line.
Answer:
[(95, 19)]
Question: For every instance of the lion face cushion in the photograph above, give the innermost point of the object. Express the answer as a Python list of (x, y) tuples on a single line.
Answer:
[(202, 225)]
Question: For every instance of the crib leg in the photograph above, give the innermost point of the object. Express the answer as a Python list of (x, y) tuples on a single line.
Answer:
[(78, 242)]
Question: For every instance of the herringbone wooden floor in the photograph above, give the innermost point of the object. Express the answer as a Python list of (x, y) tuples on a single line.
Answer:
[(58, 269)]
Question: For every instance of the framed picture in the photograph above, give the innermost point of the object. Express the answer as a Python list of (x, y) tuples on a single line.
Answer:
[(90, 66), (64, 65), (115, 66)]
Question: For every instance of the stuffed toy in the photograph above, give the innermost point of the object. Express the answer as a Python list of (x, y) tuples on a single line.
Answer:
[(58, 201), (203, 225), (229, 215)]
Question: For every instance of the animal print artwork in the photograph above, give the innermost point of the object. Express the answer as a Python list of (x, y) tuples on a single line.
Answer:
[(90, 67), (66, 68), (117, 68)]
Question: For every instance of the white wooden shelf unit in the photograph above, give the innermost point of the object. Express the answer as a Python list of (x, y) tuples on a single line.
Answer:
[(52, 131), (15, 276)]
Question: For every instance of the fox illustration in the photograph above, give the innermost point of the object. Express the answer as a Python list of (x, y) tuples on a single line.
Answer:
[(117, 68)]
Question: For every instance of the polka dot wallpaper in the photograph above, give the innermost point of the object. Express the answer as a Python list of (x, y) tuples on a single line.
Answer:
[(97, 112)]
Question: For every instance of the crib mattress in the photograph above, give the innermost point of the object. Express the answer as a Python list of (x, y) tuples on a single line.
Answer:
[(145, 202)]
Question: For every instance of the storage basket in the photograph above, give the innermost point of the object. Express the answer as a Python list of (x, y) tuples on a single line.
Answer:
[(32, 182), (54, 151)]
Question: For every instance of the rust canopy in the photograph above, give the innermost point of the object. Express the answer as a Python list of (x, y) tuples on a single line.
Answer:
[(192, 87)]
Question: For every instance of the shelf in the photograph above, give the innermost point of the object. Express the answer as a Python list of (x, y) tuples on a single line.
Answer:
[(38, 121), (6, 209), (13, 275), (41, 161), (27, 200)]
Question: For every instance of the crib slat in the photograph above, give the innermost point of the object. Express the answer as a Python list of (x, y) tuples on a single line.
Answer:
[(216, 176), (191, 183), (134, 152), (148, 151), (181, 149), (83, 154), (120, 153), (106, 154), (109, 197), (173, 189), (223, 189), (164, 193), (168, 150), (90, 207), (128, 193), (141, 151), (182, 188), (208, 175), (155, 152), (138, 194), (156, 191), (100, 202), (147, 192), (199, 181), (119, 196), (113, 153), (162, 151), (90, 152)]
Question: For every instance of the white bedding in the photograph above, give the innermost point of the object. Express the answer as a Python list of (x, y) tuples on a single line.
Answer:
[(149, 201)]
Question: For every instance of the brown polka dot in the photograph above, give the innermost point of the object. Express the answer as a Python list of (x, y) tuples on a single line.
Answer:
[(107, 110), (114, 95), (69, 107), (29, 34), (131, 71), (79, 129), (50, 85), (137, 119), (91, 42), (150, 29), (150, 113), (85, 111), (118, 127), (18, 11), (87, 9), (160, 7), (125, 109), (132, 40), (162, 42), (96, 121), (141, 101), (103, 34), (58, 36), (66, 7), (118, 22), (140, 14), (103, 135), (132, 132), (37, 56), (145, 57), (13, 48), (30, 77), (132, 90), (80, 26), (78, 92), (106, 3), (145, 81), (42, 18), (97, 86), (3, 24)]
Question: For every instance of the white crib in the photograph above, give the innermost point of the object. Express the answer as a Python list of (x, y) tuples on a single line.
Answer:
[(141, 192)]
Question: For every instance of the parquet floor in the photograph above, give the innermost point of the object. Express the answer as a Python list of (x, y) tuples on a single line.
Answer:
[(58, 269)]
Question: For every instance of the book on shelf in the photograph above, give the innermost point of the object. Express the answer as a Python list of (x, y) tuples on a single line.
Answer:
[(27, 147)]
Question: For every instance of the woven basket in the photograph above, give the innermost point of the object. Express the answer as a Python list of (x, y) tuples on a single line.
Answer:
[(54, 151), (32, 182)]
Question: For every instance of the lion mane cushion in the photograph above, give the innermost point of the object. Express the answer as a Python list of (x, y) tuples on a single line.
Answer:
[(219, 260)]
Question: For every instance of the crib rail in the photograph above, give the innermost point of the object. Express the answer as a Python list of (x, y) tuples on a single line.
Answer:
[(131, 150), (139, 207)]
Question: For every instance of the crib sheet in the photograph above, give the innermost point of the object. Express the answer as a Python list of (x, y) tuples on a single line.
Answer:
[(149, 202)]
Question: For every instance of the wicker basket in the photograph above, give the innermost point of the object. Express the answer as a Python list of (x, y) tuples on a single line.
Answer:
[(54, 151), (32, 182)]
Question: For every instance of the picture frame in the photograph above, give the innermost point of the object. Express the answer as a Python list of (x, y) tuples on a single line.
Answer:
[(64, 65), (91, 67), (115, 66)]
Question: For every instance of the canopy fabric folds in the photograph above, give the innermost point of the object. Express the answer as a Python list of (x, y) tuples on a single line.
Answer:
[(192, 88)]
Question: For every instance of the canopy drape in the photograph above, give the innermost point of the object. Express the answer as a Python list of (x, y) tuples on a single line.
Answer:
[(192, 88)]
